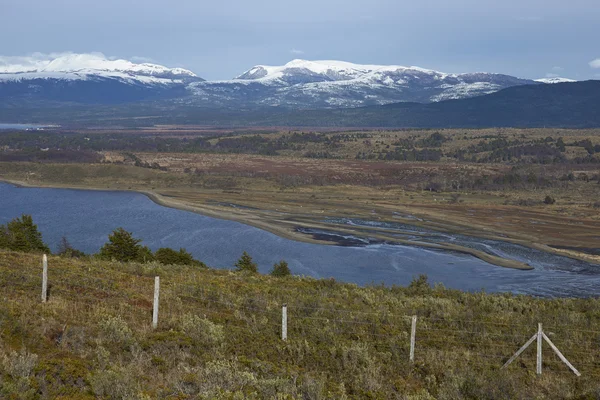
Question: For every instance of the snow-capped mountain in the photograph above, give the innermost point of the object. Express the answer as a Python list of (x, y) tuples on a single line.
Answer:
[(555, 80), (88, 66), (311, 84), (89, 78), (95, 79)]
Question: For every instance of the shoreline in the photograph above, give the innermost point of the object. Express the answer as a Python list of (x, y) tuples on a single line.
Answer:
[(286, 227)]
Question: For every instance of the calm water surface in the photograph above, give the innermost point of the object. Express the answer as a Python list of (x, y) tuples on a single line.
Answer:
[(87, 217)]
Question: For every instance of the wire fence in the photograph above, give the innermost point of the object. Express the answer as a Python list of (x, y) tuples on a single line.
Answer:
[(145, 304)]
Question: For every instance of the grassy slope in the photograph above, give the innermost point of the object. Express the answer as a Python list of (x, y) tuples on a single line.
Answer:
[(218, 337)]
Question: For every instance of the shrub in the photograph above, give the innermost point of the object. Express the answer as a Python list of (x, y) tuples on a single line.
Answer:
[(114, 384), (66, 250), (169, 256), (246, 264), (549, 200), (122, 246), (454, 198), (19, 365), (223, 376), (419, 285), (281, 269), (116, 330), (202, 330)]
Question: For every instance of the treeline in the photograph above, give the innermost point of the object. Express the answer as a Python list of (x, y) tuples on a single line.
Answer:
[(25, 144), (21, 234), (77, 147), (83, 148)]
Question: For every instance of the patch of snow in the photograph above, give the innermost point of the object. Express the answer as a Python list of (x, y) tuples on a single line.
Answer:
[(555, 80)]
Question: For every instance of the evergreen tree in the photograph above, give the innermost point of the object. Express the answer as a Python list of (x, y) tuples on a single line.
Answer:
[(169, 256), (21, 234), (122, 246), (245, 263), (281, 269)]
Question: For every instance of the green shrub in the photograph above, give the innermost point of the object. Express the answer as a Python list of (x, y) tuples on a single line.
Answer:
[(116, 330), (114, 384), (419, 285), (202, 330), (281, 269), (246, 264), (169, 256), (122, 246)]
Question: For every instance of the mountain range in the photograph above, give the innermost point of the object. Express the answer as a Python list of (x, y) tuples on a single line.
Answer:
[(89, 90), (299, 84)]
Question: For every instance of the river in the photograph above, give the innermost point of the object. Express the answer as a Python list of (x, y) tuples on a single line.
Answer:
[(87, 217)]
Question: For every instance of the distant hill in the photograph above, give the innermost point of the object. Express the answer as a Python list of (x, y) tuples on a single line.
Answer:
[(575, 104), (571, 104)]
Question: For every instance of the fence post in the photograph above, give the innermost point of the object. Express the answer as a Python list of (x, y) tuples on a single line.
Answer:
[(284, 322), (413, 332), (539, 350), (44, 278), (560, 355), (156, 294)]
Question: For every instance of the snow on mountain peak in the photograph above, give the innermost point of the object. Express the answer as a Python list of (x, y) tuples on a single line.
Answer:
[(330, 70), (87, 64), (556, 79)]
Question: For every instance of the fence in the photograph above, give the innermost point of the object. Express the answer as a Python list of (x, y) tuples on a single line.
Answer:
[(496, 344)]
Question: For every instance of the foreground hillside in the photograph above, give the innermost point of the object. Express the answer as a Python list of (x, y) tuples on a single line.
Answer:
[(219, 336)]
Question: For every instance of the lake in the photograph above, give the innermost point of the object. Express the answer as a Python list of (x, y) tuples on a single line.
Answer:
[(87, 217)]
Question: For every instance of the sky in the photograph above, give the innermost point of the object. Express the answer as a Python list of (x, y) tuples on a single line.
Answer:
[(222, 39)]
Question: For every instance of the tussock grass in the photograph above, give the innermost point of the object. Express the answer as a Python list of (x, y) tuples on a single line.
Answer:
[(219, 337)]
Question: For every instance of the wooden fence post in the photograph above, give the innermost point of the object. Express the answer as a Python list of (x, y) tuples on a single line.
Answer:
[(539, 335), (44, 278), (413, 333), (560, 355), (284, 322), (156, 295), (538, 369)]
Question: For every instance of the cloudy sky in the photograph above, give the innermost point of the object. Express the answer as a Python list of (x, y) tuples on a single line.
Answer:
[(221, 39)]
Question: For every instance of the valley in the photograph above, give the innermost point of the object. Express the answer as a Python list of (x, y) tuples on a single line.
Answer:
[(452, 181)]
